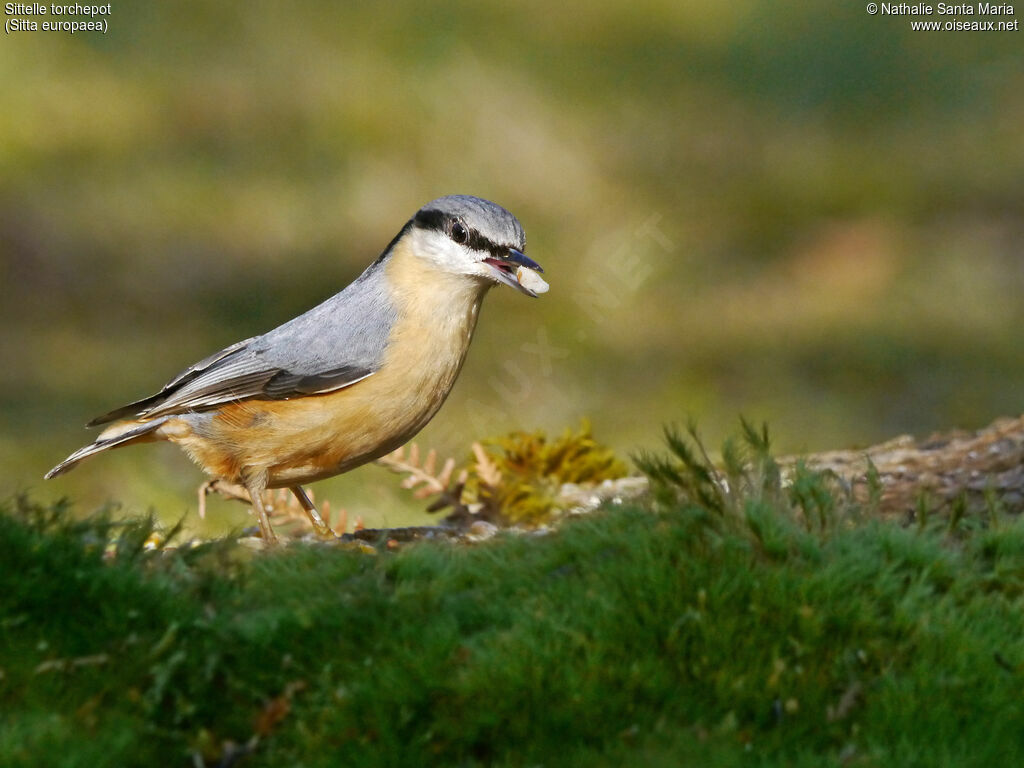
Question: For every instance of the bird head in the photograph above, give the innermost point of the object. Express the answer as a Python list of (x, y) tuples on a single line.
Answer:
[(474, 237)]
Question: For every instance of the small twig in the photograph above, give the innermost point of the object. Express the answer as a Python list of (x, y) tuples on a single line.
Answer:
[(61, 665), (225, 489), (486, 469), (421, 477)]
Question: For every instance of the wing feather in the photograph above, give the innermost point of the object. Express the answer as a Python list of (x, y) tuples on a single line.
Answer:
[(334, 345), (191, 373), (267, 384)]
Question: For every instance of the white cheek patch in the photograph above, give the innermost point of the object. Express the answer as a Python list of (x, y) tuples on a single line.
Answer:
[(434, 247), (531, 280)]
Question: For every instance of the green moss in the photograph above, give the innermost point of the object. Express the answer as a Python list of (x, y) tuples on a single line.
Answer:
[(516, 479), (763, 627)]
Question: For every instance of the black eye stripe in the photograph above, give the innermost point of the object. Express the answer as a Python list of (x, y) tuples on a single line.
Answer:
[(442, 222), (431, 220)]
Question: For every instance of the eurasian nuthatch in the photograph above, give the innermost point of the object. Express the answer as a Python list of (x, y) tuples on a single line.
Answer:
[(351, 379)]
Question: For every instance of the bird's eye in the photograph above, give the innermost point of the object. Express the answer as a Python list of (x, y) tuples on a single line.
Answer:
[(459, 232)]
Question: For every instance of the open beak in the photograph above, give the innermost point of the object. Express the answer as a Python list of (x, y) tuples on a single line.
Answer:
[(506, 270)]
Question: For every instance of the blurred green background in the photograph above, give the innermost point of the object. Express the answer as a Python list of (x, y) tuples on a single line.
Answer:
[(797, 212)]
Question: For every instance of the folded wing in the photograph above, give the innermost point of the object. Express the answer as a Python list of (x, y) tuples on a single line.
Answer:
[(334, 345)]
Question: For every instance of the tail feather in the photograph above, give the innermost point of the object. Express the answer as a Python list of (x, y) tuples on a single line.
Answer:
[(113, 437)]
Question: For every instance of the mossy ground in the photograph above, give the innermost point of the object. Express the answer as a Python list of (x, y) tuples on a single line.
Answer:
[(663, 634)]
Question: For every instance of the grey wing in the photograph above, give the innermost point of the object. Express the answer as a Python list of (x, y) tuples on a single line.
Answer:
[(205, 385), (333, 345), (249, 379), (191, 373)]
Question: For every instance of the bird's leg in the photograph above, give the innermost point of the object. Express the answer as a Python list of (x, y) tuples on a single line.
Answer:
[(323, 530), (256, 484)]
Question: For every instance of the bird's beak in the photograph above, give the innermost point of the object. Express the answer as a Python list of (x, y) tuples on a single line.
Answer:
[(506, 270)]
